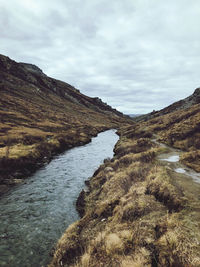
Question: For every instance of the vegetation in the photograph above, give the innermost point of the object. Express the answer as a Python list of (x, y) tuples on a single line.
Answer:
[(180, 129), (136, 210), (136, 213)]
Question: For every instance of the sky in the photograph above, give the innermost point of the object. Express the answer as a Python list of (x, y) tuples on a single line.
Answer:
[(136, 55)]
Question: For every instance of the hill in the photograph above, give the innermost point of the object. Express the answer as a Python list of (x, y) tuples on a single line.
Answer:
[(177, 106), (40, 117)]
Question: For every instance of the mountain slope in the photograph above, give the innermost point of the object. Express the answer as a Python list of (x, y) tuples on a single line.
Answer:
[(41, 116)]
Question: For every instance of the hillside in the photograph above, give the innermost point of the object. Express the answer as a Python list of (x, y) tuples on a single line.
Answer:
[(142, 207), (40, 117), (177, 106), (179, 127)]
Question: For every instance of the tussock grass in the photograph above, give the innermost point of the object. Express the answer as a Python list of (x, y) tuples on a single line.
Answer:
[(159, 184), (141, 258), (68, 247), (138, 146), (192, 159), (177, 245), (113, 244), (85, 260)]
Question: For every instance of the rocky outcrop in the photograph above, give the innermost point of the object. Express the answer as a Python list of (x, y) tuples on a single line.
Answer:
[(32, 68)]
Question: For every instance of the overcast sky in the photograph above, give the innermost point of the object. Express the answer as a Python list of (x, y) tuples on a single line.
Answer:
[(136, 55)]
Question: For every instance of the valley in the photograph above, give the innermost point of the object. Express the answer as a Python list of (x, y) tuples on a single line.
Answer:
[(140, 207), (41, 117)]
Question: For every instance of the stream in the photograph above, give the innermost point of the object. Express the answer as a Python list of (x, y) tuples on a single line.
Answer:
[(36, 213)]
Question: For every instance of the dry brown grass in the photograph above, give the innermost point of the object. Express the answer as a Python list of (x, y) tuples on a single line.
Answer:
[(141, 258), (177, 245), (160, 185), (181, 129), (113, 244), (192, 159)]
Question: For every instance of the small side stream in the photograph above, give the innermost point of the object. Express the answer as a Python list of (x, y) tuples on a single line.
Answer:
[(35, 214)]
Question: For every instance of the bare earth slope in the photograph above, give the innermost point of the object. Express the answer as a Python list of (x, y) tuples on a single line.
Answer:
[(137, 210), (41, 116)]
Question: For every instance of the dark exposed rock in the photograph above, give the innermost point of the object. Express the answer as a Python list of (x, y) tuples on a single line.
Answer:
[(80, 203), (32, 68)]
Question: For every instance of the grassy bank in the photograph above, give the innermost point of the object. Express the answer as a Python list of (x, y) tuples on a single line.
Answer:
[(19, 160), (136, 212)]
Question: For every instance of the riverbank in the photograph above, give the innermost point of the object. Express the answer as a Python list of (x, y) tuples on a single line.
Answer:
[(137, 211), (19, 161)]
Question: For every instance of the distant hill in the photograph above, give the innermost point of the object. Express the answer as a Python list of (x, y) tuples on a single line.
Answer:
[(134, 115)]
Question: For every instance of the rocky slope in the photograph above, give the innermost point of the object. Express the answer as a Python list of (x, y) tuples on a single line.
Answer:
[(137, 211), (41, 116)]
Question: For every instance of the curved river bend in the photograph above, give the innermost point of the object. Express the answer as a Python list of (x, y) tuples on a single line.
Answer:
[(35, 214)]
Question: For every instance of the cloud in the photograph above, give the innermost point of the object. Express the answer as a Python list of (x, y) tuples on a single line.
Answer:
[(136, 55)]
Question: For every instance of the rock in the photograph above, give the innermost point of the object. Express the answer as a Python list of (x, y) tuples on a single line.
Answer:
[(80, 203)]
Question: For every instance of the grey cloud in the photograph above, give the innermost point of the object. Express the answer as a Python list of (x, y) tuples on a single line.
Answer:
[(136, 55)]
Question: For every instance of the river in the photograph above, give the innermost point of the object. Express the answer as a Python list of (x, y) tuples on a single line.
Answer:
[(36, 213)]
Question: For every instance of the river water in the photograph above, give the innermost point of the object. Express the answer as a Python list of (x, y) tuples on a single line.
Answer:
[(35, 214)]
